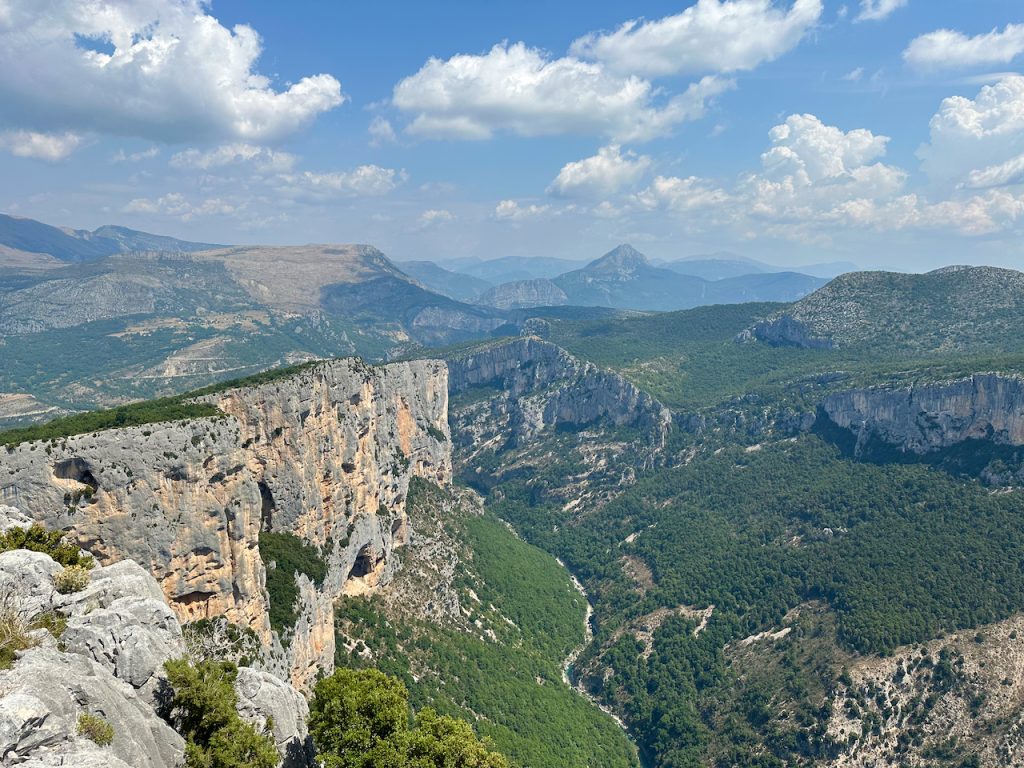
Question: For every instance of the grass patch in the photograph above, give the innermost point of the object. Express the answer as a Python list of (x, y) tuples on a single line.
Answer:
[(95, 729)]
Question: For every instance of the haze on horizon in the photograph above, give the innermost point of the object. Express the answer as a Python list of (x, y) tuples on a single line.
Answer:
[(889, 133)]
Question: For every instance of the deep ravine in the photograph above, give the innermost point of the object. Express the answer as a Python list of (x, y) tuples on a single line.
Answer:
[(570, 660)]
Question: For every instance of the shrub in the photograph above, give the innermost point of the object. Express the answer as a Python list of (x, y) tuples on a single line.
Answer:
[(53, 622), (202, 710), (13, 636), (74, 578), (52, 543), (95, 729)]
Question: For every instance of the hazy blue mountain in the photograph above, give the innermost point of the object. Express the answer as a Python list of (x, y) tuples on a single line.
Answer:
[(624, 278), (455, 285), (74, 245), (511, 268)]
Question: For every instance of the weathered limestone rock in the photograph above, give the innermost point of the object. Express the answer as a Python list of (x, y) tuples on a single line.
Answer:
[(542, 386), (930, 417), (326, 453), (262, 696)]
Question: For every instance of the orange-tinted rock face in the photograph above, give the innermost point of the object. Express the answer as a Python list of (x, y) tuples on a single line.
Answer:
[(326, 454)]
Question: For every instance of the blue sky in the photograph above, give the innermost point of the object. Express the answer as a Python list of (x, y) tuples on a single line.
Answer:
[(886, 132)]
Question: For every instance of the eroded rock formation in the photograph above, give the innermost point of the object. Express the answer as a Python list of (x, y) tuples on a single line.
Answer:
[(325, 453)]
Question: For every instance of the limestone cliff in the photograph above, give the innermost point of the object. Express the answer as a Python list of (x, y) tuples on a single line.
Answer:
[(541, 385), (326, 453), (930, 417)]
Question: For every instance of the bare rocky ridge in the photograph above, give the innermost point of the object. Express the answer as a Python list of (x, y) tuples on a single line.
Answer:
[(522, 294), (326, 454)]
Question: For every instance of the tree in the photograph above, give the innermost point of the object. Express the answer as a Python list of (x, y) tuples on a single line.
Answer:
[(360, 719), (202, 709)]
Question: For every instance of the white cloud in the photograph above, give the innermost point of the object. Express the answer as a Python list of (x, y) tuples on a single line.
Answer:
[(948, 48), (364, 181), (876, 10), (510, 210), (262, 158), (1001, 175), (521, 90), (41, 146), (176, 205), (435, 217), (682, 195), (135, 157), (854, 75), (711, 36), (159, 69), (381, 132), (972, 139), (602, 174), (816, 179)]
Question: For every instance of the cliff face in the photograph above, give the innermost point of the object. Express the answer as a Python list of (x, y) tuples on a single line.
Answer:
[(933, 417), (522, 294), (542, 386), (326, 454)]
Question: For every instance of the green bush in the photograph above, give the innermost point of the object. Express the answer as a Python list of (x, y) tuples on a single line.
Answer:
[(95, 729), (52, 543), (13, 637), (202, 710)]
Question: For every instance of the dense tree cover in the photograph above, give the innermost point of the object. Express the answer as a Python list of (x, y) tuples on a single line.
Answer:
[(510, 684), (899, 553), (290, 556), (202, 710), (361, 719)]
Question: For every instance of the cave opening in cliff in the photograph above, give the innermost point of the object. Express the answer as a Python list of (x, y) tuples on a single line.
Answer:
[(267, 506), (77, 470), (365, 562)]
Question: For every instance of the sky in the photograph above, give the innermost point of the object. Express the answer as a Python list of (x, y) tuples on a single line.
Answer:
[(889, 133)]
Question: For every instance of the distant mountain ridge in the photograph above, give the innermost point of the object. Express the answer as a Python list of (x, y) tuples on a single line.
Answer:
[(952, 308), (77, 245)]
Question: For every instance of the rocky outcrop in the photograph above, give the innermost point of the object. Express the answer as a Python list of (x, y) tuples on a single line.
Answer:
[(540, 385), (105, 657), (931, 417), (785, 331), (100, 667), (325, 453), (524, 294)]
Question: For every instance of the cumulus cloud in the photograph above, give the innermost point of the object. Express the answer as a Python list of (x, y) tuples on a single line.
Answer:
[(381, 131), (364, 181), (681, 195), (711, 36), (435, 217), (816, 179), (600, 175), (40, 146), (975, 141), (948, 48), (521, 90), (165, 70), (876, 10), (176, 205), (510, 210), (261, 158)]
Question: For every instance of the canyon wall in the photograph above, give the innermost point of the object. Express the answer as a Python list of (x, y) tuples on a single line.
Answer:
[(325, 453), (935, 416)]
